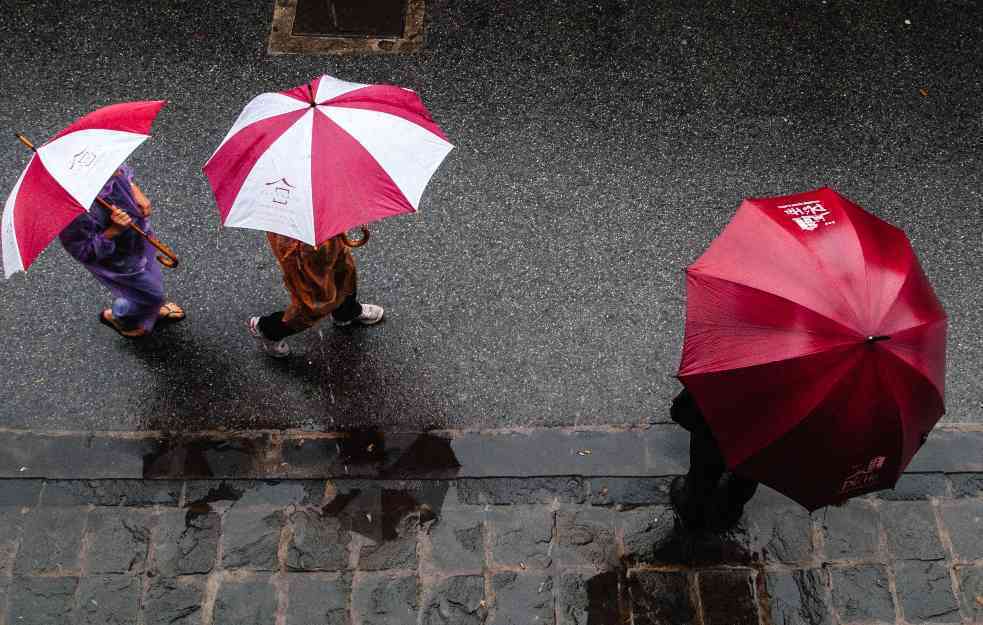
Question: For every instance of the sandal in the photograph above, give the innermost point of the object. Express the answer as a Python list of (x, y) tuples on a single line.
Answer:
[(109, 322), (171, 312)]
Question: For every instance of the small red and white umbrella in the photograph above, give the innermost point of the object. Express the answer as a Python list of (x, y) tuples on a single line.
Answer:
[(65, 175), (317, 160)]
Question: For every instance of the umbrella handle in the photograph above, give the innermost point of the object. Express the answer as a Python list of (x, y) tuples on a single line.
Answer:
[(167, 257), (358, 242), (25, 141)]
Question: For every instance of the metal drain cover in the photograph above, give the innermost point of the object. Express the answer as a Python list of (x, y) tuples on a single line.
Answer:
[(346, 26)]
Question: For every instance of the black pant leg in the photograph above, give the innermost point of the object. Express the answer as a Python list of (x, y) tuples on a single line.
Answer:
[(706, 467), (272, 327), (349, 309)]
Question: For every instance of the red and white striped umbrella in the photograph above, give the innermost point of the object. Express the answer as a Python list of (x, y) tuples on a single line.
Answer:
[(65, 175), (317, 160)]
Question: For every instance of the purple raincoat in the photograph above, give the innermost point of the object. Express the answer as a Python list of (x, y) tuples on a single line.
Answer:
[(125, 263)]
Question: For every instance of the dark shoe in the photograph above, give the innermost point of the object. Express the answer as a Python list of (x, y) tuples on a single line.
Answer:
[(679, 496)]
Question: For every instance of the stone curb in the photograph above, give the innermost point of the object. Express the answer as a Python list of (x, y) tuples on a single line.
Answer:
[(654, 450)]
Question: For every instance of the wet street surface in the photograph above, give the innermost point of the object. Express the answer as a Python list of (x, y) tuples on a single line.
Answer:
[(600, 147), (560, 551)]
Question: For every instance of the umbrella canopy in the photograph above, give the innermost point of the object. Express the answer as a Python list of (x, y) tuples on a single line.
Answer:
[(314, 161), (815, 347), (66, 174)]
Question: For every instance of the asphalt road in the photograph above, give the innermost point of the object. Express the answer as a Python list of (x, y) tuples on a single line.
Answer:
[(600, 146)]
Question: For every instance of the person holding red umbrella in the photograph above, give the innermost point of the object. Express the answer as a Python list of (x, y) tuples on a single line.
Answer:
[(814, 351), (321, 281)]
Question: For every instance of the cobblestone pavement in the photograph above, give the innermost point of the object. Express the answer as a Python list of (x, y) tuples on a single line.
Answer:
[(561, 550)]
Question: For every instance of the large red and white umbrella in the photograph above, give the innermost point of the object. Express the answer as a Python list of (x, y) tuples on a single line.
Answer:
[(322, 158), (65, 175)]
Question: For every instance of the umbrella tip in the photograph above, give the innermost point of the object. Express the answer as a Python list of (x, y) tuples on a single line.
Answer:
[(874, 339)]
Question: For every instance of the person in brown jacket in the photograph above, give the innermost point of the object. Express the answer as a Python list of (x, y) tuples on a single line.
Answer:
[(321, 281)]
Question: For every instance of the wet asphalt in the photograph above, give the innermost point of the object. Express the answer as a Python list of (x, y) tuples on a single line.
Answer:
[(600, 146)]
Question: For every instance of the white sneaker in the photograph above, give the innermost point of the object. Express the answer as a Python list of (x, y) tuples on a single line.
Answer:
[(277, 349), (371, 314)]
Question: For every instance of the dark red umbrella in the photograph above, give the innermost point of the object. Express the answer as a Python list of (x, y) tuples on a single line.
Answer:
[(815, 347)]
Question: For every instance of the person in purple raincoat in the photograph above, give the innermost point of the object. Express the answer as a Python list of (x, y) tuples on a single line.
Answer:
[(121, 259)]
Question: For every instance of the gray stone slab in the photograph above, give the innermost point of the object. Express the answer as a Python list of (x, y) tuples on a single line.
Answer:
[(851, 531), (661, 598), (964, 520), (318, 600), (19, 492), (251, 538), (255, 492), (799, 597), (585, 599), (112, 492), (108, 600), (585, 536), (779, 530), (861, 593), (912, 532), (11, 527), (521, 536), (629, 491), (318, 543), (728, 597), (35, 455), (512, 491), (522, 598), (385, 600), (971, 592), (172, 601), (118, 540), (967, 484), (925, 592), (916, 486), (646, 532), (52, 541), (459, 599), (47, 600), (248, 602), (949, 451), (458, 540), (186, 542)]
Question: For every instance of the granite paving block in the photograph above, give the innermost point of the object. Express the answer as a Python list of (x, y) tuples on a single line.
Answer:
[(248, 602), (255, 492), (779, 530), (851, 531), (457, 539), (950, 451), (11, 529), (457, 600), (171, 601), (585, 536), (112, 492), (925, 592), (963, 519), (41, 600), (971, 592), (186, 541), (385, 600), (916, 486), (52, 541), (108, 600), (250, 538), (20, 492), (967, 484), (318, 543), (521, 536), (395, 546), (861, 593), (799, 597), (912, 532), (728, 597), (646, 531), (585, 599), (118, 540), (522, 598), (315, 600), (660, 598), (629, 491)]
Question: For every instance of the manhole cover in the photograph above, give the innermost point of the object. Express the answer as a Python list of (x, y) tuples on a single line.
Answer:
[(350, 18), (346, 26)]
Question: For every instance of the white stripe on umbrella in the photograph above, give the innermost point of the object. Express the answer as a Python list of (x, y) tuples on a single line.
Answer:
[(276, 195), (329, 87), (82, 161), (12, 261), (263, 106)]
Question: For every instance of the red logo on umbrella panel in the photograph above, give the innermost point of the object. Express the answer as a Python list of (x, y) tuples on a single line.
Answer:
[(281, 191), (863, 476), (83, 159), (808, 215)]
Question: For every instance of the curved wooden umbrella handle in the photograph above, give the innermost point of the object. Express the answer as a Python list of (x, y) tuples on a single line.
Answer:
[(358, 242)]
